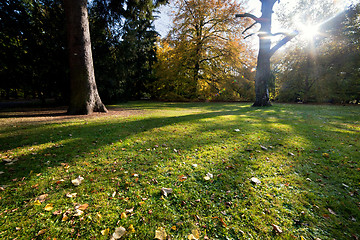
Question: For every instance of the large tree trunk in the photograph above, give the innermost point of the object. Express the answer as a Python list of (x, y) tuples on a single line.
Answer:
[(84, 96), (263, 72)]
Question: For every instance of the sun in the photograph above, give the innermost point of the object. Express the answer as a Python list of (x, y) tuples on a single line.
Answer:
[(309, 31)]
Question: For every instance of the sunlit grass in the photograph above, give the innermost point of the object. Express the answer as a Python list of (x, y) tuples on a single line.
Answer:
[(306, 157)]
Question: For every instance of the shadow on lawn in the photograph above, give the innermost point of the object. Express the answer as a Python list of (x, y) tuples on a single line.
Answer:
[(80, 138)]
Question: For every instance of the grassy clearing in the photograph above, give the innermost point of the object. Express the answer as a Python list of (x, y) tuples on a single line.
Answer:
[(306, 157)]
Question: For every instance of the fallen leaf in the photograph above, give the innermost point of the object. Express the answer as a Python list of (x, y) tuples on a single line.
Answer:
[(263, 148), (166, 191), (78, 213), (118, 233), (182, 178), (123, 215), (42, 198), (276, 228), (128, 211), (71, 195), (255, 180), (105, 232), (325, 155), (37, 203), (58, 212), (77, 181), (331, 211), (82, 207), (131, 229), (42, 231), (160, 233), (64, 218), (60, 181), (192, 237), (208, 176), (49, 207), (173, 228), (195, 235)]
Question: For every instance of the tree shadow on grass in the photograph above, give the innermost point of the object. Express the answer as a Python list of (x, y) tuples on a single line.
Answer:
[(276, 129)]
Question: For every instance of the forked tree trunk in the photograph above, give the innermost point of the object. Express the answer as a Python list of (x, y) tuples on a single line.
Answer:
[(84, 96), (263, 73)]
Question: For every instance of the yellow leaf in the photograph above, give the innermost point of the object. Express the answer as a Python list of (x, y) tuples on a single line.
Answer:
[(192, 237), (173, 228), (131, 228), (105, 232), (49, 207), (195, 235), (37, 203), (65, 218), (160, 233), (83, 207), (123, 215)]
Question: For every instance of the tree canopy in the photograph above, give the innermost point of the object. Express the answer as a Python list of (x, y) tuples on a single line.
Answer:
[(204, 57)]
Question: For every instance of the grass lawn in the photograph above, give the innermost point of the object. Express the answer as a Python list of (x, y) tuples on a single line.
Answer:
[(305, 159)]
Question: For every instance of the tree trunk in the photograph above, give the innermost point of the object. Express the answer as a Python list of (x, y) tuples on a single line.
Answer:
[(84, 96), (263, 72)]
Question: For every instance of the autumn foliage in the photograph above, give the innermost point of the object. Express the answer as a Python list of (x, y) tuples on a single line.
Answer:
[(205, 56)]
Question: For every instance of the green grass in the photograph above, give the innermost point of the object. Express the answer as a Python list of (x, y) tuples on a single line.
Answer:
[(310, 172)]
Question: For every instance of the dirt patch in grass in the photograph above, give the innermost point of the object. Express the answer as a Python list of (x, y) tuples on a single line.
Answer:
[(58, 114)]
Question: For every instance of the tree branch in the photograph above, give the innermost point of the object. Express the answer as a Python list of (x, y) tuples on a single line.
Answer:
[(248, 28), (283, 42), (281, 33), (249, 15), (252, 34)]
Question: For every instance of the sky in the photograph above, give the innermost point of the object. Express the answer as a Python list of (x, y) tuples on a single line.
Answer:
[(163, 23)]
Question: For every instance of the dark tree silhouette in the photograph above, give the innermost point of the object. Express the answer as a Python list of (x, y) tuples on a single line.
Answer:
[(263, 73), (84, 96)]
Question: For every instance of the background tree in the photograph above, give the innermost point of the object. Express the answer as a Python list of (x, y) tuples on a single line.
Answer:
[(204, 51), (32, 49), (322, 68)]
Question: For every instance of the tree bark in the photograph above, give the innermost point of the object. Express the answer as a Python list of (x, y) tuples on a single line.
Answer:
[(84, 96), (263, 72)]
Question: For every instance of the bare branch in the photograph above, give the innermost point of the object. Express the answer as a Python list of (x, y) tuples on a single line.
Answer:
[(249, 15), (252, 34), (282, 33), (283, 42), (248, 28)]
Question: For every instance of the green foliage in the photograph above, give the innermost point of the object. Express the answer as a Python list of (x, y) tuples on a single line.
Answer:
[(34, 56), (306, 157), (325, 69), (32, 47)]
